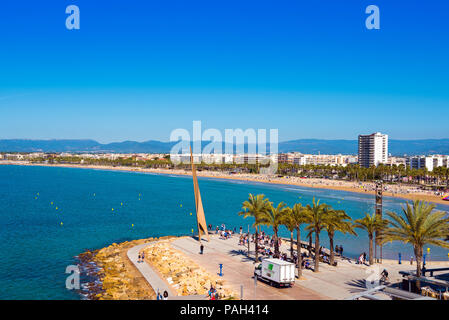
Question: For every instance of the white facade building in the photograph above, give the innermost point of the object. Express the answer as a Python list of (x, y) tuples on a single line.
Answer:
[(428, 162), (373, 149)]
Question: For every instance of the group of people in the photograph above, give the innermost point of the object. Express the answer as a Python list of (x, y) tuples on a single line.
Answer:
[(339, 250), (243, 240), (362, 258), (141, 257), (222, 231), (213, 293), (163, 296)]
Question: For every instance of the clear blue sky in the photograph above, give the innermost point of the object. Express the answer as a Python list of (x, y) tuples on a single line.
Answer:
[(138, 69)]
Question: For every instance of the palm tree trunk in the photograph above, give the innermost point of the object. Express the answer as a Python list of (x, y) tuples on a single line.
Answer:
[(276, 242), (317, 251), (310, 245), (331, 244), (371, 257), (291, 244), (298, 252), (418, 255), (256, 242)]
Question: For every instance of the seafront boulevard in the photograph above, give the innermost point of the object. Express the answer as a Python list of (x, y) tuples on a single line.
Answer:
[(175, 265)]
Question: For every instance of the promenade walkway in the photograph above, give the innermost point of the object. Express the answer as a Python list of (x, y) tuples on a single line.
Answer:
[(153, 277), (339, 282), (238, 270)]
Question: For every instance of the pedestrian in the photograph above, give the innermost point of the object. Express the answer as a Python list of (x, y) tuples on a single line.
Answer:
[(138, 260), (165, 295), (201, 249), (211, 293), (341, 251)]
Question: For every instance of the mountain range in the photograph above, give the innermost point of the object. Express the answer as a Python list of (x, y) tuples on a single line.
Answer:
[(307, 146)]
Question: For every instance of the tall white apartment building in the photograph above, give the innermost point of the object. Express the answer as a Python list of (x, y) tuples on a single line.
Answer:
[(373, 149)]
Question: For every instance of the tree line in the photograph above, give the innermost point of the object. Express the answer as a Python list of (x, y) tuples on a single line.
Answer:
[(418, 224), (351, 172)]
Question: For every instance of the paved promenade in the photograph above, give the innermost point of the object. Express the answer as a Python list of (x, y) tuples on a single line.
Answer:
[(238, 269), (153, 277), (343, 281), (150, 274)]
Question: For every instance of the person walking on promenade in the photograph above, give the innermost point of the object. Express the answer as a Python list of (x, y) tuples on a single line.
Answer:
[(165, 295), (201, 249), (140, 258)]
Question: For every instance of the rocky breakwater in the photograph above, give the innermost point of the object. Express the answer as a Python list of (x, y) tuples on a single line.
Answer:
[(112, 276), (183, 274)]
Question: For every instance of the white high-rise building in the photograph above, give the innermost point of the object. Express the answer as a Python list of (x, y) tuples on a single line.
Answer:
[(373, 149)]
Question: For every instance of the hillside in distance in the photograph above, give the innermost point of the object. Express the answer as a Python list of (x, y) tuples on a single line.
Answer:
[(307, 146)]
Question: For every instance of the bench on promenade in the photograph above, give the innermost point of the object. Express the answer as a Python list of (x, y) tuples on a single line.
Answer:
[(431, 271)]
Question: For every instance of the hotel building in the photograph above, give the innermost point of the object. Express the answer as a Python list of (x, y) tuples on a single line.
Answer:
[(373, 149)]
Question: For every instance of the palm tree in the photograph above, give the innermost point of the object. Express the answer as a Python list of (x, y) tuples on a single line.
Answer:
[(255, 207), (296, 217), (289, 223), (274, 217), (372, 224), (337, 220), (419, 225), (316, 218)]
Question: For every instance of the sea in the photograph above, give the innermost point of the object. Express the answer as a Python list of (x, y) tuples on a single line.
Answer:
[(49, 215)]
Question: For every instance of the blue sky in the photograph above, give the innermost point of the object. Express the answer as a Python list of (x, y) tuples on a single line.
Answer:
[(136, 70)]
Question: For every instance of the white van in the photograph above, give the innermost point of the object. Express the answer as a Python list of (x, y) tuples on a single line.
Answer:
[(276, 272)]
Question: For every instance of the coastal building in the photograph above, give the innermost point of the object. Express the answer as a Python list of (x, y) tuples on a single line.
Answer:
[(373, 149), (396, 161), (428, 162), (316, 159)]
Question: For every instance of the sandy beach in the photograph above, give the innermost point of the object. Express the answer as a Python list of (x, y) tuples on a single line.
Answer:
[(398, 191)]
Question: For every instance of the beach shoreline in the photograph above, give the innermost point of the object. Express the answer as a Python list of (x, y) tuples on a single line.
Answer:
[(361, 188)]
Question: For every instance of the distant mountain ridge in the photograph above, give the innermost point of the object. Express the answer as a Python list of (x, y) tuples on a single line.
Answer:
[(307, 146)]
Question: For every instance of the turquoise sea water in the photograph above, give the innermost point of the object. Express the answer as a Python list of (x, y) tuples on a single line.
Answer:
[(36, 248)]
